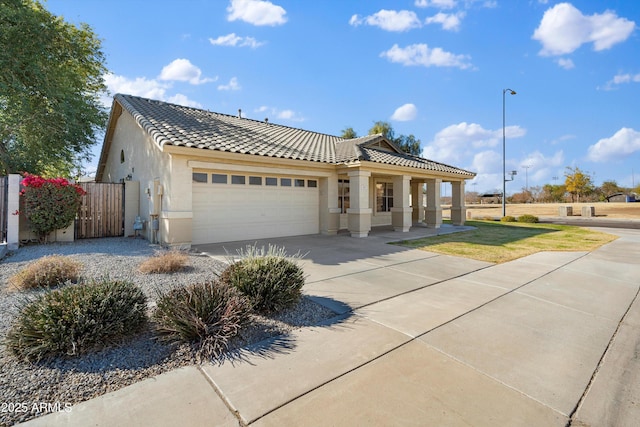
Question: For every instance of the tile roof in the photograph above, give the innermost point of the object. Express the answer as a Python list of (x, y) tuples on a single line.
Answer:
[(171, 124)]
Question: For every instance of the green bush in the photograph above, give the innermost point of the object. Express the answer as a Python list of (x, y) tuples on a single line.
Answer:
[(269, 278), (207, 314), (76, 319), (49, 203), (508, 218), (53, 270), (531, 219)]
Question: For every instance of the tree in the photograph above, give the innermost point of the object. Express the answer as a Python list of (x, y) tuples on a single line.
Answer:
[(50, 87), (577, 182), (348, 133), (408, 144), (553, 193), (523, 197), (610, 188), (536, 192)]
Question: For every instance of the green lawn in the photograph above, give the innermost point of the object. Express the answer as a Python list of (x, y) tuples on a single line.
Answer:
[(501, 242)]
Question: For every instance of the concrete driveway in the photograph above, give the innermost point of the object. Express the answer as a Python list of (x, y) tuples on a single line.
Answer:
[(422, 339)]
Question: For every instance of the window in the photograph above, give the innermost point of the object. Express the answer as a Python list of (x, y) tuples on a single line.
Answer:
[(271, 182), (121, 156), (384, 196), (199, 177), (237, 179), (255, 180), (299, 182), (343, 195), (312, 183), (285, 182), (219, 178)]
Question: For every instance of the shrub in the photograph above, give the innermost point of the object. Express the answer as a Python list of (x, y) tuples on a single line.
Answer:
[(268, 278), (167, 262), (53, 270), (531, 219), (76, 319), (207, 314), (50, 204), (508, 218)]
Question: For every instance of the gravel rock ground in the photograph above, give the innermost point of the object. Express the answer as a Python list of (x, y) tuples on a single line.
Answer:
[(24, 387)]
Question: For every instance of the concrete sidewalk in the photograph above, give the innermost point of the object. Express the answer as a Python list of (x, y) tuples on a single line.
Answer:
[(421, 339)]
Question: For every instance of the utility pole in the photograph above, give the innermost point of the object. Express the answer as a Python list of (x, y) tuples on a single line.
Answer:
[(526, 177)]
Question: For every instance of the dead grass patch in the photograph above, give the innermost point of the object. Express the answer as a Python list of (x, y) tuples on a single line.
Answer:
[(48, 271), (165, 262)]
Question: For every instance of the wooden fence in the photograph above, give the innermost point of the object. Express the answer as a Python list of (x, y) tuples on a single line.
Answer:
[(101, 213)]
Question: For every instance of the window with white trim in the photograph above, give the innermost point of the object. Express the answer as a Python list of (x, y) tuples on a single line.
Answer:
[(384, 196), (343, 195)]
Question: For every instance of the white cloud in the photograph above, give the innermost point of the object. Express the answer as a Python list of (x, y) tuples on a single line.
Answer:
[(281, 114), (235, 41), (626, 78), (624, 142), (405, 113), (537, 160), (457, 142), (421, 54), (564, 29), (183, 70), (619, 79), (486, 162), (389, 20), (233, 85), (141, 86), (181, 99), (256, 12), (449, 21), (440, 4), (562, 139), (565, 63)]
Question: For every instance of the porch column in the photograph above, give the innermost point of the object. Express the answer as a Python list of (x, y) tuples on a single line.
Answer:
[(359, 212), (458, 211), (329, 210), (433, 216), (401, 210), (417, 201)]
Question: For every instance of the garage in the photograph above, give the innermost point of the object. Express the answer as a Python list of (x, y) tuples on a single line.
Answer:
[(233, 206)]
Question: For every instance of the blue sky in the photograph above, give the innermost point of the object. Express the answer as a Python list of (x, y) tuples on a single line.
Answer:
[(432, 68)]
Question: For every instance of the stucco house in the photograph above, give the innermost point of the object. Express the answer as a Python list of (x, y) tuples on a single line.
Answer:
[(203, 177)]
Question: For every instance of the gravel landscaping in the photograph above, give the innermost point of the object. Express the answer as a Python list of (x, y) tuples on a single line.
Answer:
[(65, 382)]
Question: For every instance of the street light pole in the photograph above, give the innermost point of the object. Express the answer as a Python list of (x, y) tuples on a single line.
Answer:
[(526, 177), (504, 152)]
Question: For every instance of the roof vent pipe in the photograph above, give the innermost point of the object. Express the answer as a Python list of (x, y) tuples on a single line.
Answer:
[(239, 113), (266, 120)]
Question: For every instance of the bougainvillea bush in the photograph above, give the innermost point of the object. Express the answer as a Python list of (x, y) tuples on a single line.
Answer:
[(49, 203)]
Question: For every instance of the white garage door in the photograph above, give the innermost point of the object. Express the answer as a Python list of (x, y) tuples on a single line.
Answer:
[(230, 207)]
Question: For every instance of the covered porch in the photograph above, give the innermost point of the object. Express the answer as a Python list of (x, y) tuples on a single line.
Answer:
[(358, 199)]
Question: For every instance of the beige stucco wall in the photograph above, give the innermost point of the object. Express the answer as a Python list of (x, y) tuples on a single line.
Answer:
[(145, 163), (165, 187)]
